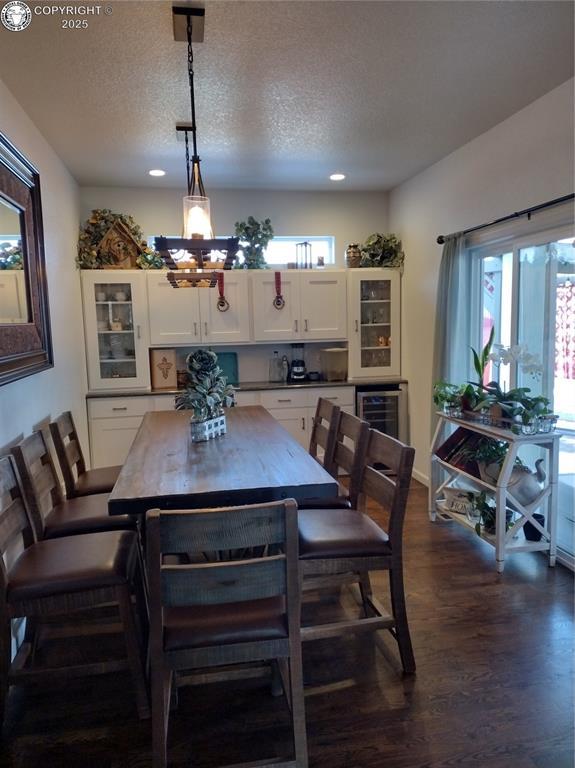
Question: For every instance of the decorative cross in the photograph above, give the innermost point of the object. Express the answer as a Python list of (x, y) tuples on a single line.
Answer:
[(164, 367)]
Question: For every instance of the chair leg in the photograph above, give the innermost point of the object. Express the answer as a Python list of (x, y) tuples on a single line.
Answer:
[(366, 593), (135, 661), (161, 695), (400, 615), (297, 705), (5, 652)]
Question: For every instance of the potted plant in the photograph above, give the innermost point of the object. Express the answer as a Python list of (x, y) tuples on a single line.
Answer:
[(486, 513), (254, 238), (447, 397), (207, 394), (382, 251)]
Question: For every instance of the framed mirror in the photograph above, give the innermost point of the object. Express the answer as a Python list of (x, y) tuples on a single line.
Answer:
[(25, 340)]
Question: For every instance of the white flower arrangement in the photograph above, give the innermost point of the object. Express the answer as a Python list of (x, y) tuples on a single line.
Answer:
[(518, 353)]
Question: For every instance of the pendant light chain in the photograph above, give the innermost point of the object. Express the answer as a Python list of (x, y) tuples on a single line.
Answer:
[(195, 183)]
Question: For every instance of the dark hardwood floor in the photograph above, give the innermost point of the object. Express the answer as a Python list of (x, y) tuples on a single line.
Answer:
[(493, 689)]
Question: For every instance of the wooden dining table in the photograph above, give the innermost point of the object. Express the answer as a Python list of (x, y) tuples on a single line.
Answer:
[(255, 461)]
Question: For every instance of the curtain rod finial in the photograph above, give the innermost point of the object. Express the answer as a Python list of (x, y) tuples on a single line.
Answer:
[(440, 239)]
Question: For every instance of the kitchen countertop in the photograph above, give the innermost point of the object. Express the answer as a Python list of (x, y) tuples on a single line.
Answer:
[(254, 386)]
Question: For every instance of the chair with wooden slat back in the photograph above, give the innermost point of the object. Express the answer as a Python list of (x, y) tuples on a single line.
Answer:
[(324, 431), (53, 515), (47, 581), (342, 542), (229, 611), (347, 448), (79, 481)]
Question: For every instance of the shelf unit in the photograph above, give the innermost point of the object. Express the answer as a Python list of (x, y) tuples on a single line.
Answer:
[(443, 474)]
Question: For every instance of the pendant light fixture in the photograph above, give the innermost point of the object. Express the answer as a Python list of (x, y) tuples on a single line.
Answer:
[(197, 221)]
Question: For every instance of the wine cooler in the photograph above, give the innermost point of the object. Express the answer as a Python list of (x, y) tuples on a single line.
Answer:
[(384, 406)]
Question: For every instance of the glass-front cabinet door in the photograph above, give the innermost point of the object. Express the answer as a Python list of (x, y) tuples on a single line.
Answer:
[(374, 321), (116, 329)]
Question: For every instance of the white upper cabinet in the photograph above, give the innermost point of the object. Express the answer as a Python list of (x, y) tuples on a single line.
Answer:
[(323, 305), (374, 322), (315, 306), (190, 316), (231, 326), (271, 323), (116, 329), (174, 312)]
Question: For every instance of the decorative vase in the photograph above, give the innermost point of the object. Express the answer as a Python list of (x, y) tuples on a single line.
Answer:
[(201, 431), (353, 255)]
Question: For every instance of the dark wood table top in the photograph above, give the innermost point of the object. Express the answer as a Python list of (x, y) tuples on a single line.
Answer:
[(256, 461)]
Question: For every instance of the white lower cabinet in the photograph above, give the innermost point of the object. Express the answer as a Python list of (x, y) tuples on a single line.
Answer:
[(295, 421), (113, 423)]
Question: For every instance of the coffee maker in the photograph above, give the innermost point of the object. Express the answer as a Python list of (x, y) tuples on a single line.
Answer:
[(298, 371)]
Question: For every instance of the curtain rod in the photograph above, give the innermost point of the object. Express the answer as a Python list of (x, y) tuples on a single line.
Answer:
[(526, 212)]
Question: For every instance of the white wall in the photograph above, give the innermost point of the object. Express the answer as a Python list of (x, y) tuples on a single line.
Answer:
[(348, 216), (523, 161), (27, 402)]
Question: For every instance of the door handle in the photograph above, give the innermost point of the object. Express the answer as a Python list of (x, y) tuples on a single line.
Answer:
[(295, 325), (356, 327), (305, 325), (195, 329)]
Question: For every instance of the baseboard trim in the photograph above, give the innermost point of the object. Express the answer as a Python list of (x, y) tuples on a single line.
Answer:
[(421, 478)]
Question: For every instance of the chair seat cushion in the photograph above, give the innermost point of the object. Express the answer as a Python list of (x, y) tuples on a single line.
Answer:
[(335, 502), (100, 480), (85, 514), (72, 564), (339, 533), (205, 625)]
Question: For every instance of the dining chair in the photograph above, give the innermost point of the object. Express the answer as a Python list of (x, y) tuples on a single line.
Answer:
[(323, 433), (347, 542), (60, 580), (79, 481), (233, 610), (346, 456), (52, 514)]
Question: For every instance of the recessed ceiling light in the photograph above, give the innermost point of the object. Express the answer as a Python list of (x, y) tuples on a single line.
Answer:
[(337, 176), (157, 172)]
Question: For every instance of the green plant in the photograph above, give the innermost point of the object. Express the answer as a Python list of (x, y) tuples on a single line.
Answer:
[(11, 256), (207, 392), (481, 359), (487, 513), (490, 451), (382, 251), (254, 238), (445, 394), (149, 259)]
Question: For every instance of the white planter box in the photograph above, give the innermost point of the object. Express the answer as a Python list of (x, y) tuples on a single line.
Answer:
[(206, 430)]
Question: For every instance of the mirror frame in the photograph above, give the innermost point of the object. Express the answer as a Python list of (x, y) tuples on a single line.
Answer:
[(26, 348)]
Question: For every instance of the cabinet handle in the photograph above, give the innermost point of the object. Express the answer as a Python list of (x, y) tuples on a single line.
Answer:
[(287, 400), (139, 331), (205, 329), (332, 398), (195, 329), (356, 327), (303, 422), (305, 325), (124, 408), (295, 325)]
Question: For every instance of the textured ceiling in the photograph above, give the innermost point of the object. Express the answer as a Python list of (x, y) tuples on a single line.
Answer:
[(287, 92)]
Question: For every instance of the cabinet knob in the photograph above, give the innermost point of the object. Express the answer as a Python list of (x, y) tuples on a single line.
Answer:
[(139, 331), (195, 329), (295, 325), (305, 325), (206, 329), (124, 408), (285, 400), (356, 327), (303, 423)]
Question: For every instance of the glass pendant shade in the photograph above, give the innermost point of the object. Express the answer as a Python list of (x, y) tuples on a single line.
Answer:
[(197, 222)]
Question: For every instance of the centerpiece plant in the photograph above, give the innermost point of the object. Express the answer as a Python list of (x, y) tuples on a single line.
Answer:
[(382, 251), (207, 394)]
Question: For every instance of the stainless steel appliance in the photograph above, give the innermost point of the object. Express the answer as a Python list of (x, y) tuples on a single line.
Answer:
[(384, 406), (298, 371)]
